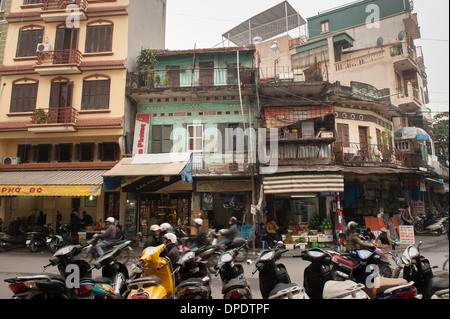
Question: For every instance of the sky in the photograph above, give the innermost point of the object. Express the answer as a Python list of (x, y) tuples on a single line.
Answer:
[(201, 23)]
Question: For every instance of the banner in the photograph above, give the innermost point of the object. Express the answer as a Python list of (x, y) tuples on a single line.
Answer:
[(278, 117), (52, 190), (141, 134)]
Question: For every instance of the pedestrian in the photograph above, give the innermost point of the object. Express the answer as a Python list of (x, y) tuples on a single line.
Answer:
[(384, 237), (87, 220), (368, 235), (272, 230)]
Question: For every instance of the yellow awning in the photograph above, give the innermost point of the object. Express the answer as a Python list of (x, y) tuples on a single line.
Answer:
[(50, 190)]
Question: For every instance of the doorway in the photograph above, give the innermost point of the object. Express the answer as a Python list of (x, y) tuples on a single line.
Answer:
[(65, 44)]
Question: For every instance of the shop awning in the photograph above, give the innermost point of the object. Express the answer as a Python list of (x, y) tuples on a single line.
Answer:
[(151, 165), (51, 183), (303, 183)]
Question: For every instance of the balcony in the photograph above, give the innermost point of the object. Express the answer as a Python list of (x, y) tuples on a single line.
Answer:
[(405, 58), (53, 120), (220, 164), (64, 10), (408, 98), (58, 62), (353, 63), (363, 153)]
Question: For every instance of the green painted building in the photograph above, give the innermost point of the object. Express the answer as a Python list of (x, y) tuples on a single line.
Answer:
[(355, 14), (5, 6)]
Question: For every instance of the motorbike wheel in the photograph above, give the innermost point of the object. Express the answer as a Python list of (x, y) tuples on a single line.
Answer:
[(34, 247), (419, 228), (54, 244), (212, 262), (386, 271), (242, 255), (124, 256)]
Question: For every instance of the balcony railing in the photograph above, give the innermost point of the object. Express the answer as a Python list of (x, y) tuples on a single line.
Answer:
[(359, 61), (59, 57), (363, 153), (59, 115), (214, 163), (178, 78), (62, 4)]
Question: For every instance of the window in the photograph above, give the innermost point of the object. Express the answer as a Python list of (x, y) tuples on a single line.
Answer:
[(325, 26), (23, 97), (99, 38), (232, 145), (25, 2), (108, 152), (42, 153), (343, 135), (84, 152), (24, 152), (96, 95), (195, 138), (63, 153), (161, 142), (28, 41)]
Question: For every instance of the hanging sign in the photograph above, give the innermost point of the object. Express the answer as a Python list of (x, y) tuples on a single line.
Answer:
[(141, 134)]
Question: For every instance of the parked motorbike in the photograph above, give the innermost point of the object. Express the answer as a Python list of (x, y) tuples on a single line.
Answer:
[(152, 277), (274, 280), (428, 225), (51, 286), (9, 242), (113, 281), (61, 239), (355, 265), (40, 240), (194, 282), (418, 269), (234, 282), (91, 253)]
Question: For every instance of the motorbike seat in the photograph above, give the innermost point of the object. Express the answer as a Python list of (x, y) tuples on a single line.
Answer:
[(99, 280), (48, 277), (436, 284), (191, 282), (281, 286), (383, 285), (145, 282), (233, 284)]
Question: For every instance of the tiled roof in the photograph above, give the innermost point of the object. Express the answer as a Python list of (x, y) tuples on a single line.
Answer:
[(16, 68), (103, 64), (80, 124)]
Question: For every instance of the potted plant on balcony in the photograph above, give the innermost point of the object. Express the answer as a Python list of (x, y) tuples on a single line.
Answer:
[(386, 147), (40, 116), (146, 63)]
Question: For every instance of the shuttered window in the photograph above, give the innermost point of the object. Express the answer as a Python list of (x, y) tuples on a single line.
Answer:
[(99, 38), (28, 41), (161, 142), (343, 134), (96, 95), (23, 97)]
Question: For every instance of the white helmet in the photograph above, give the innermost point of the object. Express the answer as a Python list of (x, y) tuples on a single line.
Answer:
[(166, 227), (352, 225), (110, 220), (171, 237), (198, 221)]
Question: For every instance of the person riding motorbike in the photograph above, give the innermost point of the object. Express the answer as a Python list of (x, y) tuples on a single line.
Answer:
[(155, 239), (165, 229), (198, 240), (354, 242), (230, 233), (108, 236), (172, 252)]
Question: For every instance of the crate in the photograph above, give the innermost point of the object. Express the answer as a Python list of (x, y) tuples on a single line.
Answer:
[(312, 239), (325, 238)]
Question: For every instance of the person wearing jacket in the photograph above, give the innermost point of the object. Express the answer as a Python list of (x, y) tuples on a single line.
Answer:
[(198, 240), (108, 236), (353, 239), (230, 233)]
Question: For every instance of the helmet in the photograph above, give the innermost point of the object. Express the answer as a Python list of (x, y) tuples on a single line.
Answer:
[(352, 225), (198, 221), (110, 220), (233, 219), (155, 228), (166, 227), (171, 237)]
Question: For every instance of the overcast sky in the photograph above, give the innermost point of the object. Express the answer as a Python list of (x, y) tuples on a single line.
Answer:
[(202, 23)]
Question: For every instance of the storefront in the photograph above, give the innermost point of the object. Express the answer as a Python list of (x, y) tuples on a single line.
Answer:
[(25, 194)]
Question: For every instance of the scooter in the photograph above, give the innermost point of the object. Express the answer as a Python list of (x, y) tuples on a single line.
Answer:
[(9, 242), (113, 281), (51, 286), (274, 280), (60, 240), (91, 252), (153, 276), (424, 225), (194, 282), (418, 269), (357, 264), (40, 240), (234, 282)]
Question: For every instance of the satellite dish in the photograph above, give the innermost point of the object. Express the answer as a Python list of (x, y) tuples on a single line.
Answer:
[(401, 35), (380, 41)]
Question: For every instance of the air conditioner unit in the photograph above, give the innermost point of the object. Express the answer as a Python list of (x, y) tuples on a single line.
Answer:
[(43, 47), (11, 160)]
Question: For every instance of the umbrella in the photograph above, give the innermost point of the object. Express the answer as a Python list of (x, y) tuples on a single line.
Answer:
[(411, 133)]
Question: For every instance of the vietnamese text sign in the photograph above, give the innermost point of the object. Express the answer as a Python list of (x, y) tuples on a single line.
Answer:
[(50, 190), (407, 235)]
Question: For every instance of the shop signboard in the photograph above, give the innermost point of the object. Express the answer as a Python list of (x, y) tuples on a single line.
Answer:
[(224, 186), (50, 190), (141, 134), (406, 235), (418, 207)]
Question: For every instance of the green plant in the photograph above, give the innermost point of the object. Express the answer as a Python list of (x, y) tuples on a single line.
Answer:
[(146, 60), (40, 116), (385, 145)]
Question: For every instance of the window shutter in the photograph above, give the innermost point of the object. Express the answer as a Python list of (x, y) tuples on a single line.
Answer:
[(100, 151), (77, 152), (57, 153), (54, 95)]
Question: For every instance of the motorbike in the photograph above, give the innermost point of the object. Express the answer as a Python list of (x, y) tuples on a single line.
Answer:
[(112, 284), (61, 239), (234, 282), (91, 253), (51, 286), (40, 240), (194, 282), (429, 225), (357, 264), (274, 280), (8, 242), (417, 268), (153, 276)]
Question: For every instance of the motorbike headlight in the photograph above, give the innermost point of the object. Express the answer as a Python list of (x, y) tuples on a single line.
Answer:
[(413, 252)]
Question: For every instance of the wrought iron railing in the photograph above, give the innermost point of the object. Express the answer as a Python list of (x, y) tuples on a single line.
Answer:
[(57, 115), (62, 4), (58, 57)]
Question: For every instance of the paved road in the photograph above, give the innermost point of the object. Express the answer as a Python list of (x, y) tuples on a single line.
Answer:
[(21, 262)]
